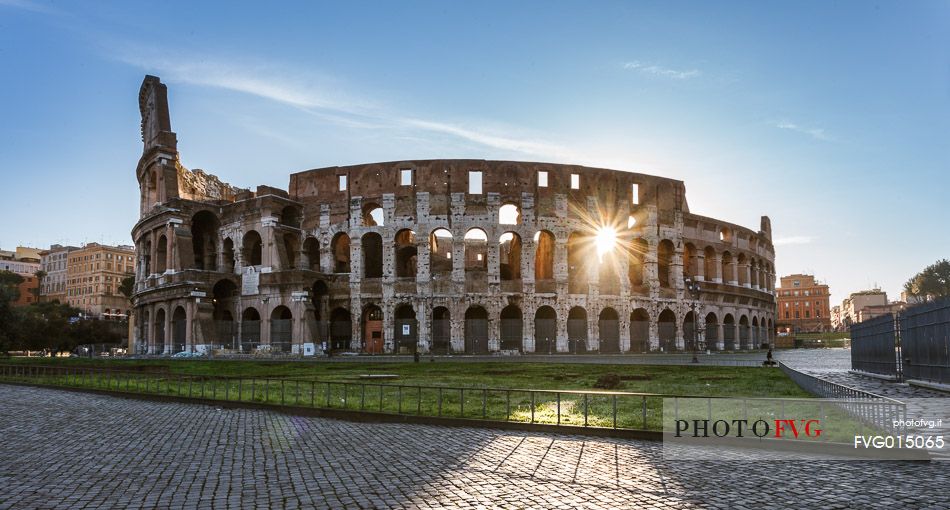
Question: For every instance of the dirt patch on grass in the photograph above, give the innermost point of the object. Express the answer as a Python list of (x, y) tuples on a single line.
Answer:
[(608, 382), (563, 377), (636, 377)]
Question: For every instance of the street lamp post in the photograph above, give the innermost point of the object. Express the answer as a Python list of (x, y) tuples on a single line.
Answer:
[(694, 291)]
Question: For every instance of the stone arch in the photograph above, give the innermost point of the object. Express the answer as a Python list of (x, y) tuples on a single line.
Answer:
[(160, 333), (577, 254), (636, 269), (544, 243), (341, 329), (311, 248), (509, 214), (512, 328), (545, 330), (250, 329), (712, 332), (690, 331), (577, 330), (476, 330), (290, 216), (179, 329), (372, 322), (609, 327), (744, 339), (742, 263), (340, 248), (709, 255), (664, 261), (690, 261), (372, 245), (320, 298), (228, 255), (727, 268), (755, 333), (441, 330), (753, 273), (224, 300), (407, 258), (405, 328), (729, 332), (509, 256), (666, 325), (204, 240), (639, 330), (281, 329), (440, 252), (161, 255), (373, 215), (252, 249), (476, 250)]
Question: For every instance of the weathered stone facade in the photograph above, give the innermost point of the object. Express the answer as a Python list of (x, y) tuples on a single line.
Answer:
[(460, 256)]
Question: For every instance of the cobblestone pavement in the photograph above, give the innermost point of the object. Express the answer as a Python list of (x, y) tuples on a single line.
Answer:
[(74, 450)]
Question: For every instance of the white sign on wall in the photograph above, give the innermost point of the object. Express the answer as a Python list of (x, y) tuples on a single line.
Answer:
[(405, 329), (250, 282)]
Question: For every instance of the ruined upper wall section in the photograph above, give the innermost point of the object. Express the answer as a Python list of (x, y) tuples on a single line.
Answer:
[(198, 185), (507, 179), (156, 122)]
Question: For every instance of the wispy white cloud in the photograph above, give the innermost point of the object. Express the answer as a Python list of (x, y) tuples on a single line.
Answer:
[(660, 71), (322, 97), (28, 5), (784, 241), (816, 133)]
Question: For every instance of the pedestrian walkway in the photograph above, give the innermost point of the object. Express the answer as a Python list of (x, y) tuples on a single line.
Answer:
[(74, 450)]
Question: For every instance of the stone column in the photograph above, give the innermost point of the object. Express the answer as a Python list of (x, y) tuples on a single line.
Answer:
[(700, 267), (168, 337), (734, 269), (717, 273), (189, 325)]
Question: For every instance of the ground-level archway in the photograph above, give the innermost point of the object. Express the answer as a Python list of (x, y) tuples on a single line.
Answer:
[(441, 330), (373, 330), (639, 331), (281, 329), (666, 327), (476, 330), (712, 332), (250, 329), (512, 328), (179, 327), (609, 327), (545, 330), (341, 329), (729, 332), (405, 329)]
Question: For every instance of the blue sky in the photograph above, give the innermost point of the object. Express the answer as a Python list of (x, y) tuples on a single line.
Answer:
[(830, 117)]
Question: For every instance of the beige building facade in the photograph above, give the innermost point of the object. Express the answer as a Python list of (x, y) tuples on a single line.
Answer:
[(94, 274)]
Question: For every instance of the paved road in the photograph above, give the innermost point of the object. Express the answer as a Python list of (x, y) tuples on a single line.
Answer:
[(73, 450)]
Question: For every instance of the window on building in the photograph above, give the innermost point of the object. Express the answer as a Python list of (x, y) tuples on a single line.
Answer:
[(542, 179), (807, 314), (635, 194), (807, 293), (341, 179), (797, 315), (575, 181), (475, 182), (405, 177)]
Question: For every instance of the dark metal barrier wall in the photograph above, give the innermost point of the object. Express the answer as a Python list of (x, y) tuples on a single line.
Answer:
[(874, 346), (925, 341)]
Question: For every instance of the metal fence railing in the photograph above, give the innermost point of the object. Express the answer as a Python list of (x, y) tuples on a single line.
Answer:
[(912, 345), (874, 346), (579, 408), (875, 410)]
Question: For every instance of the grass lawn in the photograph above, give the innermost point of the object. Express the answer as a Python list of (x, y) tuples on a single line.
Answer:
[(670, 380)]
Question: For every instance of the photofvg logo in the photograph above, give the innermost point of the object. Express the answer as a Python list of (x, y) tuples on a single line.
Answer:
[(713, 428), (776, 428)]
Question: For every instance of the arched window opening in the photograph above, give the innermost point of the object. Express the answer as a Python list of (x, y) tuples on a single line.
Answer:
[(476, 250), (407, 260), (405, 329), (544, 260), (729, 332), (664, 260), (441, 330), (690, 261), (341, 329), (640, 330), (728, 276), (440, 252), (509, 214), (290, 216), (204, 237), (311, 249), (373, 215), (291, 249), (179, 328), (578, 253), (372, 244), (250, 330), (636, 270), (253, 249), (509, 256), (711, 339), (228, 257), (340, 246), (476, 330), (161, 255)]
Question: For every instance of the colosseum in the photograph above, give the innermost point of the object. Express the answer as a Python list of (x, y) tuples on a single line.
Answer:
[(440, 256)]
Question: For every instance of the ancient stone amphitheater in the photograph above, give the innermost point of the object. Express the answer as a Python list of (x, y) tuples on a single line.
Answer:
[(445, 256)]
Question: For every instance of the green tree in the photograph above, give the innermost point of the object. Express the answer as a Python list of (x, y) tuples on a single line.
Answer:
[(127, 286), (39, 283), (9, 316), (933, 282), (46, 326)]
